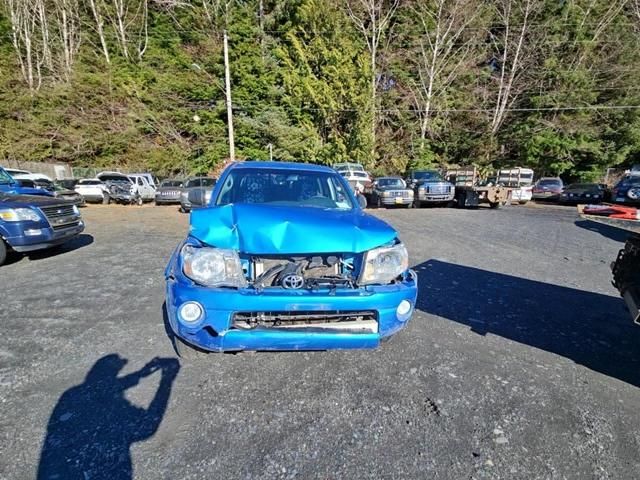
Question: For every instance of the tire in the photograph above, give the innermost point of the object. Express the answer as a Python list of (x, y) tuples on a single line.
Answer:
[(106, 199), (3, 251), (494, 205), (188, 352), (524, 203)]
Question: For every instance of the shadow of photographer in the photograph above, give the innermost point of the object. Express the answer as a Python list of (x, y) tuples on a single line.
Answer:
[(93, 425)]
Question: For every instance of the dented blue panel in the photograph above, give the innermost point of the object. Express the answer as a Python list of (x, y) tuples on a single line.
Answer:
[(266, 229)]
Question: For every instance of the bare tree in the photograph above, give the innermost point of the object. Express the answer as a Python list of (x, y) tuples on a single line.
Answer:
[(443, 51), (67, 25), (99, 19), (372, 18), (129, 21), (29, 36), (513, 47)]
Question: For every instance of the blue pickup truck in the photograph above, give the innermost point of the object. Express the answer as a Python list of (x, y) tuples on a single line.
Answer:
[(30, 222)]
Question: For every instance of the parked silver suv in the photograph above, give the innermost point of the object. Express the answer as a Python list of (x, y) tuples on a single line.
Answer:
[(196, 192)]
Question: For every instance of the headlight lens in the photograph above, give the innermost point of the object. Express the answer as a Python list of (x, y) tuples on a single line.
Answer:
[(382, 265), (19, 215), (213, 267)]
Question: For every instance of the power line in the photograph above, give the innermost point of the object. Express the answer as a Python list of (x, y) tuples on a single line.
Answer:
[(241, 108)]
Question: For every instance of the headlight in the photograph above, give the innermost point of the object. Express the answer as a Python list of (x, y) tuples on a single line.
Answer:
[(382, 265), (19, 215), (386, 194), (213, 267)]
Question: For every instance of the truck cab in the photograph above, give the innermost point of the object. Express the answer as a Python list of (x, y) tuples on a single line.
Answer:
[(30, 222)]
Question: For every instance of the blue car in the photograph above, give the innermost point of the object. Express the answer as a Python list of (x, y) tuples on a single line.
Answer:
[(9, 185), (284, 258), (30, 222), (627, 191)]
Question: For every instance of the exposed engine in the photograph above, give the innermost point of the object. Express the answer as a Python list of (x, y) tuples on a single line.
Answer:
[(295, 273)]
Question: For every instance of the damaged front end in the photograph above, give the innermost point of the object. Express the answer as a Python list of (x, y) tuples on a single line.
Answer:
[(310, 301)]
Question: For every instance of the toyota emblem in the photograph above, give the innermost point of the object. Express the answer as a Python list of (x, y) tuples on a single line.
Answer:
[(293, 281)]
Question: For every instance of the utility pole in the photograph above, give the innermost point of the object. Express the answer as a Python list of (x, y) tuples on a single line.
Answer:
[(227, 84)]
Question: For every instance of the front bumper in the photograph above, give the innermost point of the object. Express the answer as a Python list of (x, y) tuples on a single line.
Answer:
[(167, 201), (46, 239), (545, 196), (436, 197), (214, 331), (391, 201)]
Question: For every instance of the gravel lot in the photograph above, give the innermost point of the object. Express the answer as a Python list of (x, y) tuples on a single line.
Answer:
[(521, 362)]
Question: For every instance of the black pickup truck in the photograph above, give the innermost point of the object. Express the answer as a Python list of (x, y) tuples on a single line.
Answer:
[(29, 222)]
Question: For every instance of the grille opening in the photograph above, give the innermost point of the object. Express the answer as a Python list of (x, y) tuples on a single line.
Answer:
[(66, 225), (338, 319), (58, 211)]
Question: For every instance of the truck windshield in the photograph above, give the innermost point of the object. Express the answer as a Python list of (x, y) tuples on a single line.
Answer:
[(200, 182), (5, 178), (285, 187), (171, 183), (390, 182), (549, 183), (428, 175)]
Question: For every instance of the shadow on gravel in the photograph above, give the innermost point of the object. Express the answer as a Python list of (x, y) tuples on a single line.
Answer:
[(80, 241), (591, 329), (93, 425), (616, 234)]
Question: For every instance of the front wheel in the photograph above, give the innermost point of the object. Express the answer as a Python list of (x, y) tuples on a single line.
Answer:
[(3, 251), (524, 203), (187, 351)]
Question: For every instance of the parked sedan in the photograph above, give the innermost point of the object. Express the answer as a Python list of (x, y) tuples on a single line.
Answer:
[(169, 192), (582, 193), (70, 195), (547, 188), (388, 191), (92, 190), (627, 191), (196, 193)]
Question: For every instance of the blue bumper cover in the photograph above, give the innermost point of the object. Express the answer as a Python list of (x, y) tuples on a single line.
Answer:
[(214, 331), (14, 234)]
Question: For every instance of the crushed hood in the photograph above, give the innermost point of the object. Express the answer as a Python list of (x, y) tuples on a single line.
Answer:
[(271, 230)]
